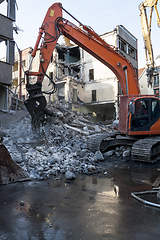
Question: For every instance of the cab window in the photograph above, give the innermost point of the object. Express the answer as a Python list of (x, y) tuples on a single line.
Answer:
[(141, 107), (140, 117), (154, 109)]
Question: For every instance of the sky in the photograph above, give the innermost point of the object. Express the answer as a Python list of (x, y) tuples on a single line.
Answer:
[(102, 15)]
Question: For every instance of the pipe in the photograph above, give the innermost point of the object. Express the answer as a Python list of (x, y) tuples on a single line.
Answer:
[(72, 16), (126, 78), (144, 201)]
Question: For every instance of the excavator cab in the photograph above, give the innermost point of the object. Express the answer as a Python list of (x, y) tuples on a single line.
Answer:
[(142, 115), (139, 128)]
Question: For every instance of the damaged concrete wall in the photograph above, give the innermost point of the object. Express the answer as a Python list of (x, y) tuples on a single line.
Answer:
[(103, 80), (99, 88), (64, 69), (105, 91), (100, 83), (127, 43)]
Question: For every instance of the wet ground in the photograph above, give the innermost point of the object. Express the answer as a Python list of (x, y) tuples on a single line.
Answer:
[(92, 207)]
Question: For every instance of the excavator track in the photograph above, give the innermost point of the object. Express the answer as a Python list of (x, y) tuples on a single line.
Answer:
[(94, 141), (143, 150), (146, 150)]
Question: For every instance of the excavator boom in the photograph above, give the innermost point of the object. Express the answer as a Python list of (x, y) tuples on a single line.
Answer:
[(52, 27), (85, 37)]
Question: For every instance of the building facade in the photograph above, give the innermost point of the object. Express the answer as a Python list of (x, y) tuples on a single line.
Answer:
[(7, 48)]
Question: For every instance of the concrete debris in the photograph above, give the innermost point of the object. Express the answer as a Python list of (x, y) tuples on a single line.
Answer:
[(58, 147), (109, 153), (99, 156), (69, 175)]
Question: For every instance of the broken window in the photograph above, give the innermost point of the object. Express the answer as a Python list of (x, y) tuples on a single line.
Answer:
[(61, 94), (7, 51), (94, 96), (15, 67), (91, 74), (3, 50), (61, 91), (122, 45), (15, 82), (73, 55), (61, 53), (131, 52), (156, 79)]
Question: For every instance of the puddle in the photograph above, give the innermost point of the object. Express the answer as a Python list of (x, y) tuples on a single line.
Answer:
[(118, 182), (96, 207)]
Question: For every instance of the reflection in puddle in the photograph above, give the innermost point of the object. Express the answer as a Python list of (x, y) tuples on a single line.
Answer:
[(122, 182)]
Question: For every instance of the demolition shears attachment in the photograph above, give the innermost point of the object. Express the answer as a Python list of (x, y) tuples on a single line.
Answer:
[(36, 103)]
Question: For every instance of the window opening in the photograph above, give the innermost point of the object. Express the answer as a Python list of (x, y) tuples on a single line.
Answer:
[(156, 79), (91, 74), (74, 95), (140, 118), (155, 109), (131, 52), (94, 97), (122, 45)]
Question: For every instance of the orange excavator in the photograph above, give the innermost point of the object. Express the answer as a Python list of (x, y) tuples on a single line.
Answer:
[(139, 115)]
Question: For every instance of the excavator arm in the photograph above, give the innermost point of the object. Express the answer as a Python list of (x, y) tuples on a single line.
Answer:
[(52, 27), (146, 32)]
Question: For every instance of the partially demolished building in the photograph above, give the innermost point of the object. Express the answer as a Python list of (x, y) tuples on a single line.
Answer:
[(85, 83)]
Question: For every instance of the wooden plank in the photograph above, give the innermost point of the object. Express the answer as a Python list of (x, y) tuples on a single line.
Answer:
[(156, 182)]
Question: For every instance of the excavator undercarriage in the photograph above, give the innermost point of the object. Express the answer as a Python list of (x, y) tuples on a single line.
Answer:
[(146, 150), (142, 149)]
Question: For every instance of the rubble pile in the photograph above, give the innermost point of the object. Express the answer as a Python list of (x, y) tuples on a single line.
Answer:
[(58, 147)]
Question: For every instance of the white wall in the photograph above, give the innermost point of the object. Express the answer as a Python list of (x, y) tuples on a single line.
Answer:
[(105, 81)]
